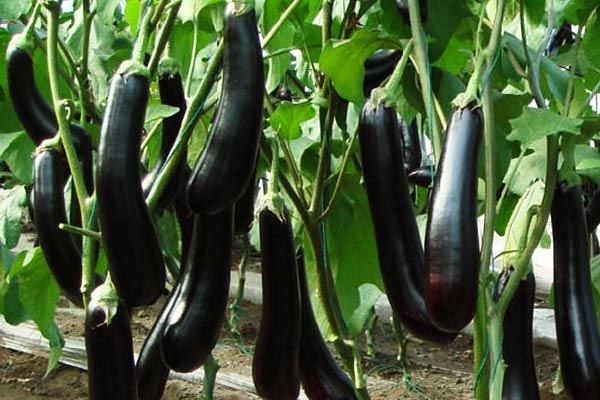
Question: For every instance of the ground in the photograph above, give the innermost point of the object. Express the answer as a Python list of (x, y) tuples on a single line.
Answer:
[(437, 372)]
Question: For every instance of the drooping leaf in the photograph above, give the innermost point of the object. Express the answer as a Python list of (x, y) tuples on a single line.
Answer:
[(368, 294), (343, 61), (591, 39), (38, 290), (11, 206), (351, 249), (287, 118), (16, 151), (157, 111), (536, 123), (12, 10), (10, 304)]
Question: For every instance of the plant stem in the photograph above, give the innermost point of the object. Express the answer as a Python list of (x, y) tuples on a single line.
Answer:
[(392, 91), (424, 72), (65, 134), (138, 53), (211, 367), (194, 52), (163, 37), (85, 87), (235, 307), (282, 18), (338, 182), (190, 119)]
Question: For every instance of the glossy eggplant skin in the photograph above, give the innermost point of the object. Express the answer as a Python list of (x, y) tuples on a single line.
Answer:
[(60, 249), (170, 89), (399, 248), (520, 380), (35, 114), (244, 209), (411, 145), (577, 333), (227, 161), (194, 323), (378, 66), (151, 371), (422, 176), (451, 238), (320, 375), (128, 234), (276, 352), (109, 346), (33, 111)]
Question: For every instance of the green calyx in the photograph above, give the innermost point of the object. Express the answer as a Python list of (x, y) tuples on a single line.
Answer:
[(106, 297), (239, 7), (131, 67), (169, 66), (21, 41)]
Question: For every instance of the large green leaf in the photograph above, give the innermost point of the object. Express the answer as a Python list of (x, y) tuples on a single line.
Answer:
[(444, 17), (368, 294), (352, 252), (12, 10), (11, 207), (531, 168), (343, 61), (38, 289), (16, 150), (10, 304), (287, 118), (536, 123), (39, 293)]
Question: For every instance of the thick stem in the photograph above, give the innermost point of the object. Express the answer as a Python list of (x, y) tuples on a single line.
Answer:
[(211, 367), (424, 71), (235, 307), (85, 86), (163, 37), (194, 51), (139, 48), (282, 18), (190, 119)]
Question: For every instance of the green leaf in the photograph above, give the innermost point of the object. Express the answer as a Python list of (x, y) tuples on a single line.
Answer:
[(56, 343), (287, 118), (11, 206), (351, 248), (16, 150), (536, 123), (444, 17), (38, 295), (519, 225), (157, 111), (532, 167), (38, 290), (12, 10), (284, 38), (368, 294), (10, 304), (191, 8), (132, 14), (343, 61), (591, 39)]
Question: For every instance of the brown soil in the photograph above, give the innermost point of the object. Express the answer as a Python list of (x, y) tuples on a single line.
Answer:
[(437, 373)]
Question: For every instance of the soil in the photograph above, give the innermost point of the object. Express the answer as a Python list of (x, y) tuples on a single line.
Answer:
[(435, 373)]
